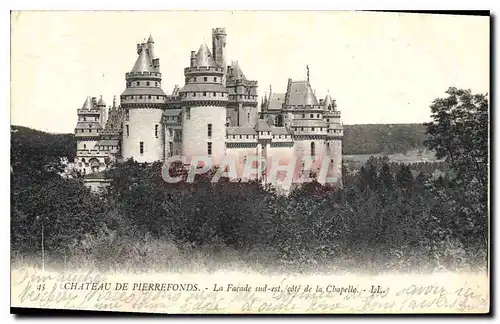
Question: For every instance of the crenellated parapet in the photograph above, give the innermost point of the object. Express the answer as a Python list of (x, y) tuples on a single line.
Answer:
[(143, 75), (201, 70)]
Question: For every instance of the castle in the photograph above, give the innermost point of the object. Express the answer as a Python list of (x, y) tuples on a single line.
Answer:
[(216, 114)]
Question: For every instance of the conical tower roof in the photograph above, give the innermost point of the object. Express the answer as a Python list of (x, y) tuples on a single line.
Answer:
[(150, 39), (101, 102), (310, 98), (236, 71), (204, 57), (87, 104), (328, 103), (143, 63)]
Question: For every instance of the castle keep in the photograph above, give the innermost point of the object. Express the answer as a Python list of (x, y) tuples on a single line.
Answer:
[(216, 113)]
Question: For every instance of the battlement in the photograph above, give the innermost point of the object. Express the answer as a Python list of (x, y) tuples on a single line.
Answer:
[(203, 69), (243, 98), (219, 30), (93, 111), (129, 75), (237, 82), (305, 107)]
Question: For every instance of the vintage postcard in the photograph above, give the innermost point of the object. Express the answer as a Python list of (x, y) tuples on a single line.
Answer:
[(250, 162)]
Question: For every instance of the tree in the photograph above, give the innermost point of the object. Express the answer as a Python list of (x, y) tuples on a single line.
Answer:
[(459, 133)]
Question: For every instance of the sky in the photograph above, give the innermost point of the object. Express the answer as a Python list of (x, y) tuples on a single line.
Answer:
[(380, 67)]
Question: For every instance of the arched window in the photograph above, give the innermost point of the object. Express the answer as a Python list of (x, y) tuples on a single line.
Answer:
[(313, 153)]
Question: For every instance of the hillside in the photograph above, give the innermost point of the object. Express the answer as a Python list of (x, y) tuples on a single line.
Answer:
[(382, 138), (26, 142), (358, 139)]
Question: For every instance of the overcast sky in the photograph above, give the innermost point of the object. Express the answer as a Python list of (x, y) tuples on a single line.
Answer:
[(380, 67)]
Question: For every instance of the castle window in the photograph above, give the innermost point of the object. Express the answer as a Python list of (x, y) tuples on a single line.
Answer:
[(209, 148), (204, 94), (188, 113), (317, 115), (312, 115), (140, 97), (313, 153), (141, 147), (215, 79), (138, 83), (248, 116), (147, 83), (247, 136), (302, 128), (303, 115), (327, 145), (209, 126), (128, 130), (84, 119), (171, 148), (90, 125), (205, 79), (313, 129), (214, 94), (149, 97), (327, 120), (84, 146), (156, 84), (157, 97), (156, 130), (194, 79)]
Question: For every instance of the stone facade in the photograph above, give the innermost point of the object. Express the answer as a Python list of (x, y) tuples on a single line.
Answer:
[(215, 114)]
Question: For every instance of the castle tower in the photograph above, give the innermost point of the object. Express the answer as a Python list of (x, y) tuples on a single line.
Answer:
[(242, 107), (335, 134), (87, 134), (204, 99), (306, 121), (101, 105), (219, 48), (143, 102)]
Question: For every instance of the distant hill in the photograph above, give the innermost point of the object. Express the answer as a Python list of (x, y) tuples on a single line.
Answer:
[(358, 139), (382, 138), (24, 139)]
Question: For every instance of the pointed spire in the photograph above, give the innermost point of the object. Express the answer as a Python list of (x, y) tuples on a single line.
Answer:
[(101, 102), (307, 67), (150, 39), (114, 101), (87, 104), (204, 57), (327, 103)]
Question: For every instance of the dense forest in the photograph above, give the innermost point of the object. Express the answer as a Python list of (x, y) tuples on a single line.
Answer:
[(387, 216)]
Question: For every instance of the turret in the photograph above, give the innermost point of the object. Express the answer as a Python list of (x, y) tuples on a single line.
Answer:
[(242, 107), (219, 46), (204, 100), (143, 102), (193, 59), (102, 107)]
